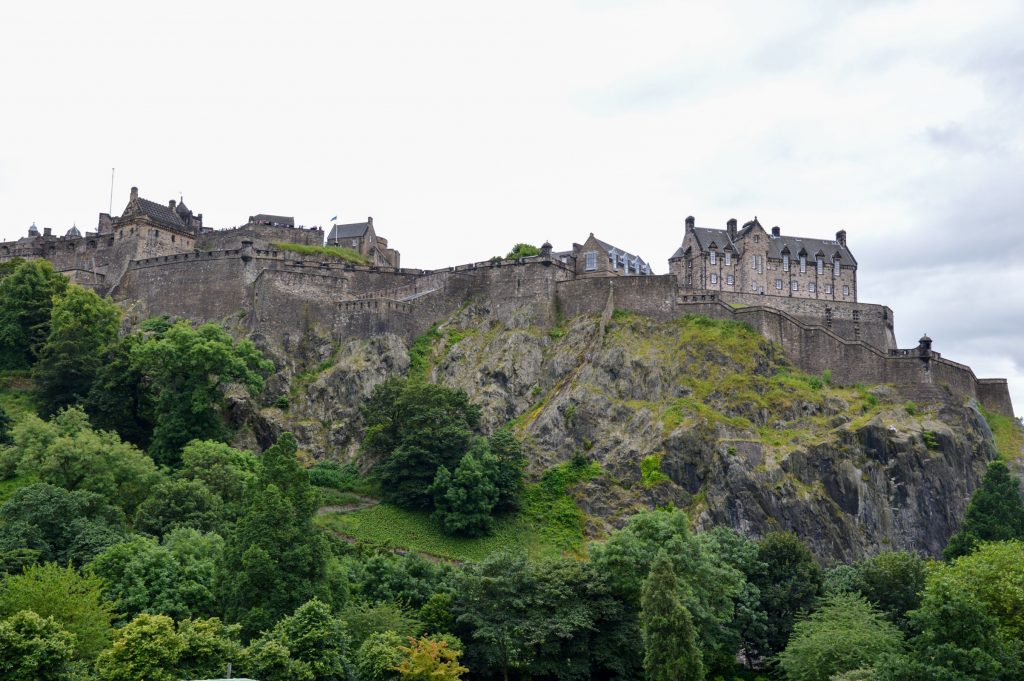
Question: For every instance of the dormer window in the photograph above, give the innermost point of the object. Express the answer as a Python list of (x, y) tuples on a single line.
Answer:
[(821, 265), (728, 258), (713, 257), (785, 262), (835, 267), (803, 264), (591, 261)]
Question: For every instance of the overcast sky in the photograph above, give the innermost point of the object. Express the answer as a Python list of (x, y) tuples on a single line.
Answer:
[(464, 127)]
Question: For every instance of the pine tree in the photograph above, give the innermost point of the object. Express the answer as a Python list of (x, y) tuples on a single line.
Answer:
[(995, 513), (670, 646)]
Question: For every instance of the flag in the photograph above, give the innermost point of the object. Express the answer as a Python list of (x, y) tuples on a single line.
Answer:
[(334, 218)]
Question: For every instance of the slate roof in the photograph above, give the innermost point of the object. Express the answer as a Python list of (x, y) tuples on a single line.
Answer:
[(161, 214), (795, 244), (719, 237), (350, 231), (263, 218)]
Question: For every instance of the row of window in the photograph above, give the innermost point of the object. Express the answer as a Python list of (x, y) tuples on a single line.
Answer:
[(811, 287)]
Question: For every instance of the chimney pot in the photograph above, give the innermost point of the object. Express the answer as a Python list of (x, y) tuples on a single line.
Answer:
[(369, 221), (171, 204), (135, 192), (730, 227), (689, 223), (841, 236), (776, 231), (47, 231)]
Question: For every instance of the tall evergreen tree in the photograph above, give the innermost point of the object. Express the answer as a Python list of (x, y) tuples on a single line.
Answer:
[(26, 299), (995, 513), (670, 643)]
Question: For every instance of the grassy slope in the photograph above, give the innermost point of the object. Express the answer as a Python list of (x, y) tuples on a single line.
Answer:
[(15, 399), (1008, 435), (340, 252)]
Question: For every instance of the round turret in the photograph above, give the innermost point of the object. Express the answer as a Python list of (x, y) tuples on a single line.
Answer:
[(73, 231), (33, 230), (182, 211)]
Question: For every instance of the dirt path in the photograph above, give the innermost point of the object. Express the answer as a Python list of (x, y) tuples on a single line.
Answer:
[(364, 502)]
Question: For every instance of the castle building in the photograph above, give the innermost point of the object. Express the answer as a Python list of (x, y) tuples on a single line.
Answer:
[(753, 261), (361, 238), (596, 258)]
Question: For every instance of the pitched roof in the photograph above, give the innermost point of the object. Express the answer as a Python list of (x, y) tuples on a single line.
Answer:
[(264, 219), (349, 231), (795, 244), (162, 214), (719, 237)]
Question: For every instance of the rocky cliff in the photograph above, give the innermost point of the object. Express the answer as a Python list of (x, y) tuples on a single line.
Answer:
[(700, 414)]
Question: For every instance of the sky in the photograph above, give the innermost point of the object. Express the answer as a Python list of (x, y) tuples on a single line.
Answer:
[(466, 127)]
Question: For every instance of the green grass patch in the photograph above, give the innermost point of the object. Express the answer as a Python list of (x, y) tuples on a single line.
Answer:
[(1008, 435), (328, 496), (421, 354), (550, 523), (340, 252), (17, 393), (650, 471)]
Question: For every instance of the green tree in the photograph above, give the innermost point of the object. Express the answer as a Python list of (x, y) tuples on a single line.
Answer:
[(180, 503), (463, 501), (366, 619), (670, 646), (83, 329), (430, 659), (26, 299), (508, 477), (119, 399), (893, 582), (174, 578), (416, 428), (5, 428), (34, 648), (189, 370), (65, 451), (73, 600), (844, 634), (58, 525), (995, 513), (379, 656), (522, 251), (789, 581), (147, 648), (274, 558), (209, 645), (229, 472), (315, 642)]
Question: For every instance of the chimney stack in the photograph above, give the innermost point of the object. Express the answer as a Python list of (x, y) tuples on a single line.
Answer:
[(776, 231), (171, 204), (689, 224), (731, 228), (135, 193), (47, 231), (841, 236), (369, 221)]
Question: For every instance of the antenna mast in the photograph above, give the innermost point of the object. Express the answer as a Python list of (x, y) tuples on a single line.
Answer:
[(110, 208)]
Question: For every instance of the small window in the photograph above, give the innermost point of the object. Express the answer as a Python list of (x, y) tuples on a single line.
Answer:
[(794, 286), (811, 288), (591, 261), (689, 280), (173, 239), (728, 258), (355, 243), (846, 290), (778, 284), (757, 238), (753, 286), (835, 268), (729, 280), (803, 264), (712, 258), (714, 278), (828, 288), (785, 262), (821, 266)]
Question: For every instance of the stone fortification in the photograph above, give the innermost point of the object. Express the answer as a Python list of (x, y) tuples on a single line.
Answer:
[(162, 260)]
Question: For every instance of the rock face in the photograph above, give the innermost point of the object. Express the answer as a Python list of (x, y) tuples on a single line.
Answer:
[(701, 414)]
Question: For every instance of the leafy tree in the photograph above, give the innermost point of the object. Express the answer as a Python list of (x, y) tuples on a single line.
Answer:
[(508, 477), (26, 300), (522, 251), (789, 582), (119, 399), (146, 648), (463, 502), (429, 659), (179, 503), (379, 656), (73, 600), (844, 634), (409, 579), (58, 525), (174, 578), (66, 451), (316, 644), (5, 428), (189, 369), (209, 645), (893, 582), (366, 619), (34, 648), (229, 472), (436, 613), (274, 558), (670, 646), (416, 428), (83, 329), (995, 513)]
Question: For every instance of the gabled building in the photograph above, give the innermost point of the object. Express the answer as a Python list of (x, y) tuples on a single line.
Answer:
[(361, 237), (754, 261), (596, 258)]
